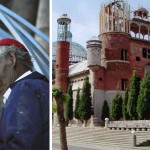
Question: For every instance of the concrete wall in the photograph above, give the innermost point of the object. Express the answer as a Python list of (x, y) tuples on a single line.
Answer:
[(42, 22)]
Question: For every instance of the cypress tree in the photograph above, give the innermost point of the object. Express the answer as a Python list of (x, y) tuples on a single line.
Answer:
[(76, 111), (69, 104), (143, 104), (124, 106), (105, 111), (116, 109), (133, 96), (85, 108)]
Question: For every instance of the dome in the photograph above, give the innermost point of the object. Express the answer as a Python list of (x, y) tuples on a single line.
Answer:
[(64, 19), (141, 13), (142, 9), (94, 40), (77, 52)]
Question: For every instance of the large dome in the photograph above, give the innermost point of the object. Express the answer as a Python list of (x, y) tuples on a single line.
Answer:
[(77, 52)]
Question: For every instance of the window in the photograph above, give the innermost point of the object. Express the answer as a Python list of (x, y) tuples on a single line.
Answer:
[(138, 59), (146, 53), (100, 79), (123, 54), (123, 84)]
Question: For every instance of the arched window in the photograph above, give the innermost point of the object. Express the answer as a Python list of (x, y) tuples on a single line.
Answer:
[(146, 53), (124, 54)]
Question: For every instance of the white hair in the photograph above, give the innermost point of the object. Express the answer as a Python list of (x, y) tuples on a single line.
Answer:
[(22, 57)]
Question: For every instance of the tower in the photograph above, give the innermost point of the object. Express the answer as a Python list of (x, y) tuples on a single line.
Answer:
[(63, 30), (140, 24), (94, 46), (115, 17), (115, 37), (93, 53), (62, 52)]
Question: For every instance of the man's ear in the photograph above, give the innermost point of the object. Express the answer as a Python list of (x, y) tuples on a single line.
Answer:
[(12, 58)]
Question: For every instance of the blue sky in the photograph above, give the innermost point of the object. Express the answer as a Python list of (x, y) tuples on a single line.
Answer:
[(85, 16)]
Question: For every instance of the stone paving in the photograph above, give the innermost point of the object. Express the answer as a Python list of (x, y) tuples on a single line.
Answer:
[(102, 138)]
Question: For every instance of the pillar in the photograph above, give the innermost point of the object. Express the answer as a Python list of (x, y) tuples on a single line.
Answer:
[(62, 65), (148, 34), (139, 32), (42, 22)]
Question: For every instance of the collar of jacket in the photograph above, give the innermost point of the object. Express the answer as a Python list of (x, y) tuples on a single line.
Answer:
[(34, 75)]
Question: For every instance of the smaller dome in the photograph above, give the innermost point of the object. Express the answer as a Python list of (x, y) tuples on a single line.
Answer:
[(94, 38), (142, 9), (141, 13), (64, 16), (64, 19)]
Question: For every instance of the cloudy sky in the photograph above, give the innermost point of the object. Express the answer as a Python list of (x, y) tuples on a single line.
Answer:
[(85, 16)]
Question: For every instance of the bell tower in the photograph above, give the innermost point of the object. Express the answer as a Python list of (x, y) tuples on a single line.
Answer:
[(115, 36), (62, 52)]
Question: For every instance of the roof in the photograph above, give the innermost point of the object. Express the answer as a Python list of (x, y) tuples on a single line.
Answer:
[(142, 9), (78, 68), (77, 52)]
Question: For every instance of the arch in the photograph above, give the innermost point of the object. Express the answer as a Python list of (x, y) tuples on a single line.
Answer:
[(134, 27), (132, 34), (139, 35), (144, 30), (146, 37)]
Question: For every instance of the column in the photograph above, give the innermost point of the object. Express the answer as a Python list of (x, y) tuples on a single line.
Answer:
[(148, 34), (129, 19), (139, 31), (100, 23), (124, 18), (104, 19), (112, 28), (42, 22), (108, 21)]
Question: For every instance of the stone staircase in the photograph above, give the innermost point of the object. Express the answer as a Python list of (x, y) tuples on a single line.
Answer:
[(102, 137)]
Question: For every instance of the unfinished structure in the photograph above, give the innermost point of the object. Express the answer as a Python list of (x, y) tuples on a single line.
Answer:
[(123, 45)]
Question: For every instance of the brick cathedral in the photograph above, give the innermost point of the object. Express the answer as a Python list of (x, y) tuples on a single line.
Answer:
[(123, 45)]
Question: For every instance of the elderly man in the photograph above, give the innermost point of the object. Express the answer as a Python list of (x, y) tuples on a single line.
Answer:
[(24, 123)]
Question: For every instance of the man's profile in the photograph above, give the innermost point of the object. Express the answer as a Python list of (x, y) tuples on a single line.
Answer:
[(24, 121)]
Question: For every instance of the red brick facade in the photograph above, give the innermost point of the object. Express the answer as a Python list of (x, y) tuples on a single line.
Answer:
[(118, 67), (62, 65)]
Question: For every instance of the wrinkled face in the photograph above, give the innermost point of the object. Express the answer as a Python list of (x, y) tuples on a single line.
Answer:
[(6, 73)]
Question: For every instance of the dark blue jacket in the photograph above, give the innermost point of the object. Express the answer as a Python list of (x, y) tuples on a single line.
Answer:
[(25, 121)]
